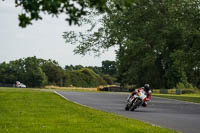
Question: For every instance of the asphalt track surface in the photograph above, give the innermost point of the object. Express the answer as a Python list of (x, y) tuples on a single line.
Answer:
[(173, 114)]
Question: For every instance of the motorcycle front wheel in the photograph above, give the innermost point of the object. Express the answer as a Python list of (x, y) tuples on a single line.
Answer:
[(127, 108), (135, 105)]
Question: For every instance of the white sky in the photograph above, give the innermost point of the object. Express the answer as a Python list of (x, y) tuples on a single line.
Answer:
[(43, 39)]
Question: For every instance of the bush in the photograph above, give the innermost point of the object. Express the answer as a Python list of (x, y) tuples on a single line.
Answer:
[(77, 79), (188, 91), (184, 86), (86, 78), (180, 86), (108, 79)]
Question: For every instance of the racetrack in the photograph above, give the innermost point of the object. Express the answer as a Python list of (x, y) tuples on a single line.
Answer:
[(177, 115)]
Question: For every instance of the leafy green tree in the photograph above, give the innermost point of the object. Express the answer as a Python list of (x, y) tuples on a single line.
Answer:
[(158, 41), (66, 79), (72, 68), (12, 72), (27, 71), (69, 68), (78, 67), (86, 78), (34, 75), (74, 9), (109, 67), (109, 80), (53, 71), (34, 72), (96, 69), (6, 75)]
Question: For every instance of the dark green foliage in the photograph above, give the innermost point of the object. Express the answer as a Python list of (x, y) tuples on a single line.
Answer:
[(110, 80), (7, 73), (71, 67), (158, 42), (53, 71), (66, 79), (90, 76), (27, 71), (188, 91), (86, 78), (34, 75), (77, 79), (35, 72), (96, 69), (109, 67), (74, 9)]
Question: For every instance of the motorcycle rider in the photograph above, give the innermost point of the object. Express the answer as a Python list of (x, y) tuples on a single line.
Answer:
[(148, 93)]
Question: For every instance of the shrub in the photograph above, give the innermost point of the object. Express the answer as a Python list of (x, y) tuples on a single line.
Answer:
[(184, 86), (108, 79), (188, 91), (86, 78)]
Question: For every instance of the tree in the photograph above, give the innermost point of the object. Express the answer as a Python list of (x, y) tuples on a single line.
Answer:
[(53, 71), (86, 78), (109, 67), (34, 75), (69, 68), (6, 74), (74, 9), (66, 79), (156, 39), (96, 69), (27, 71), (108, 79)]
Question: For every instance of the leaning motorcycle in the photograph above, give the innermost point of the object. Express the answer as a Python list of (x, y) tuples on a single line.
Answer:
[(136, 100)]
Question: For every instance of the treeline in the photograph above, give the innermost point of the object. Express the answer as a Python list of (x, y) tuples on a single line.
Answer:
[(36, 72)]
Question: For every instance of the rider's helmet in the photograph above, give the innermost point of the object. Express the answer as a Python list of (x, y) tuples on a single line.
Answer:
[(146, 87)]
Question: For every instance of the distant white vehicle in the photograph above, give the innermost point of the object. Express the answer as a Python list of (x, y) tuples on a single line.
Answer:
[(20, 85)]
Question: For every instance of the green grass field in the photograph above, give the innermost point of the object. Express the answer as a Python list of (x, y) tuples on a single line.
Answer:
[(195, 98), (34, 111)]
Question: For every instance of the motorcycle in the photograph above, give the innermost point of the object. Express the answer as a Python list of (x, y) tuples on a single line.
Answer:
[(136, 100)]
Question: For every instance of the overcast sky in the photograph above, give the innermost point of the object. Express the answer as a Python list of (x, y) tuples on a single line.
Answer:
[(43, 39)]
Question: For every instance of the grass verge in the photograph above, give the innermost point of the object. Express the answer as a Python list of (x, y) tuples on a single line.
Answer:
[(195, 98), (33, 111)]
